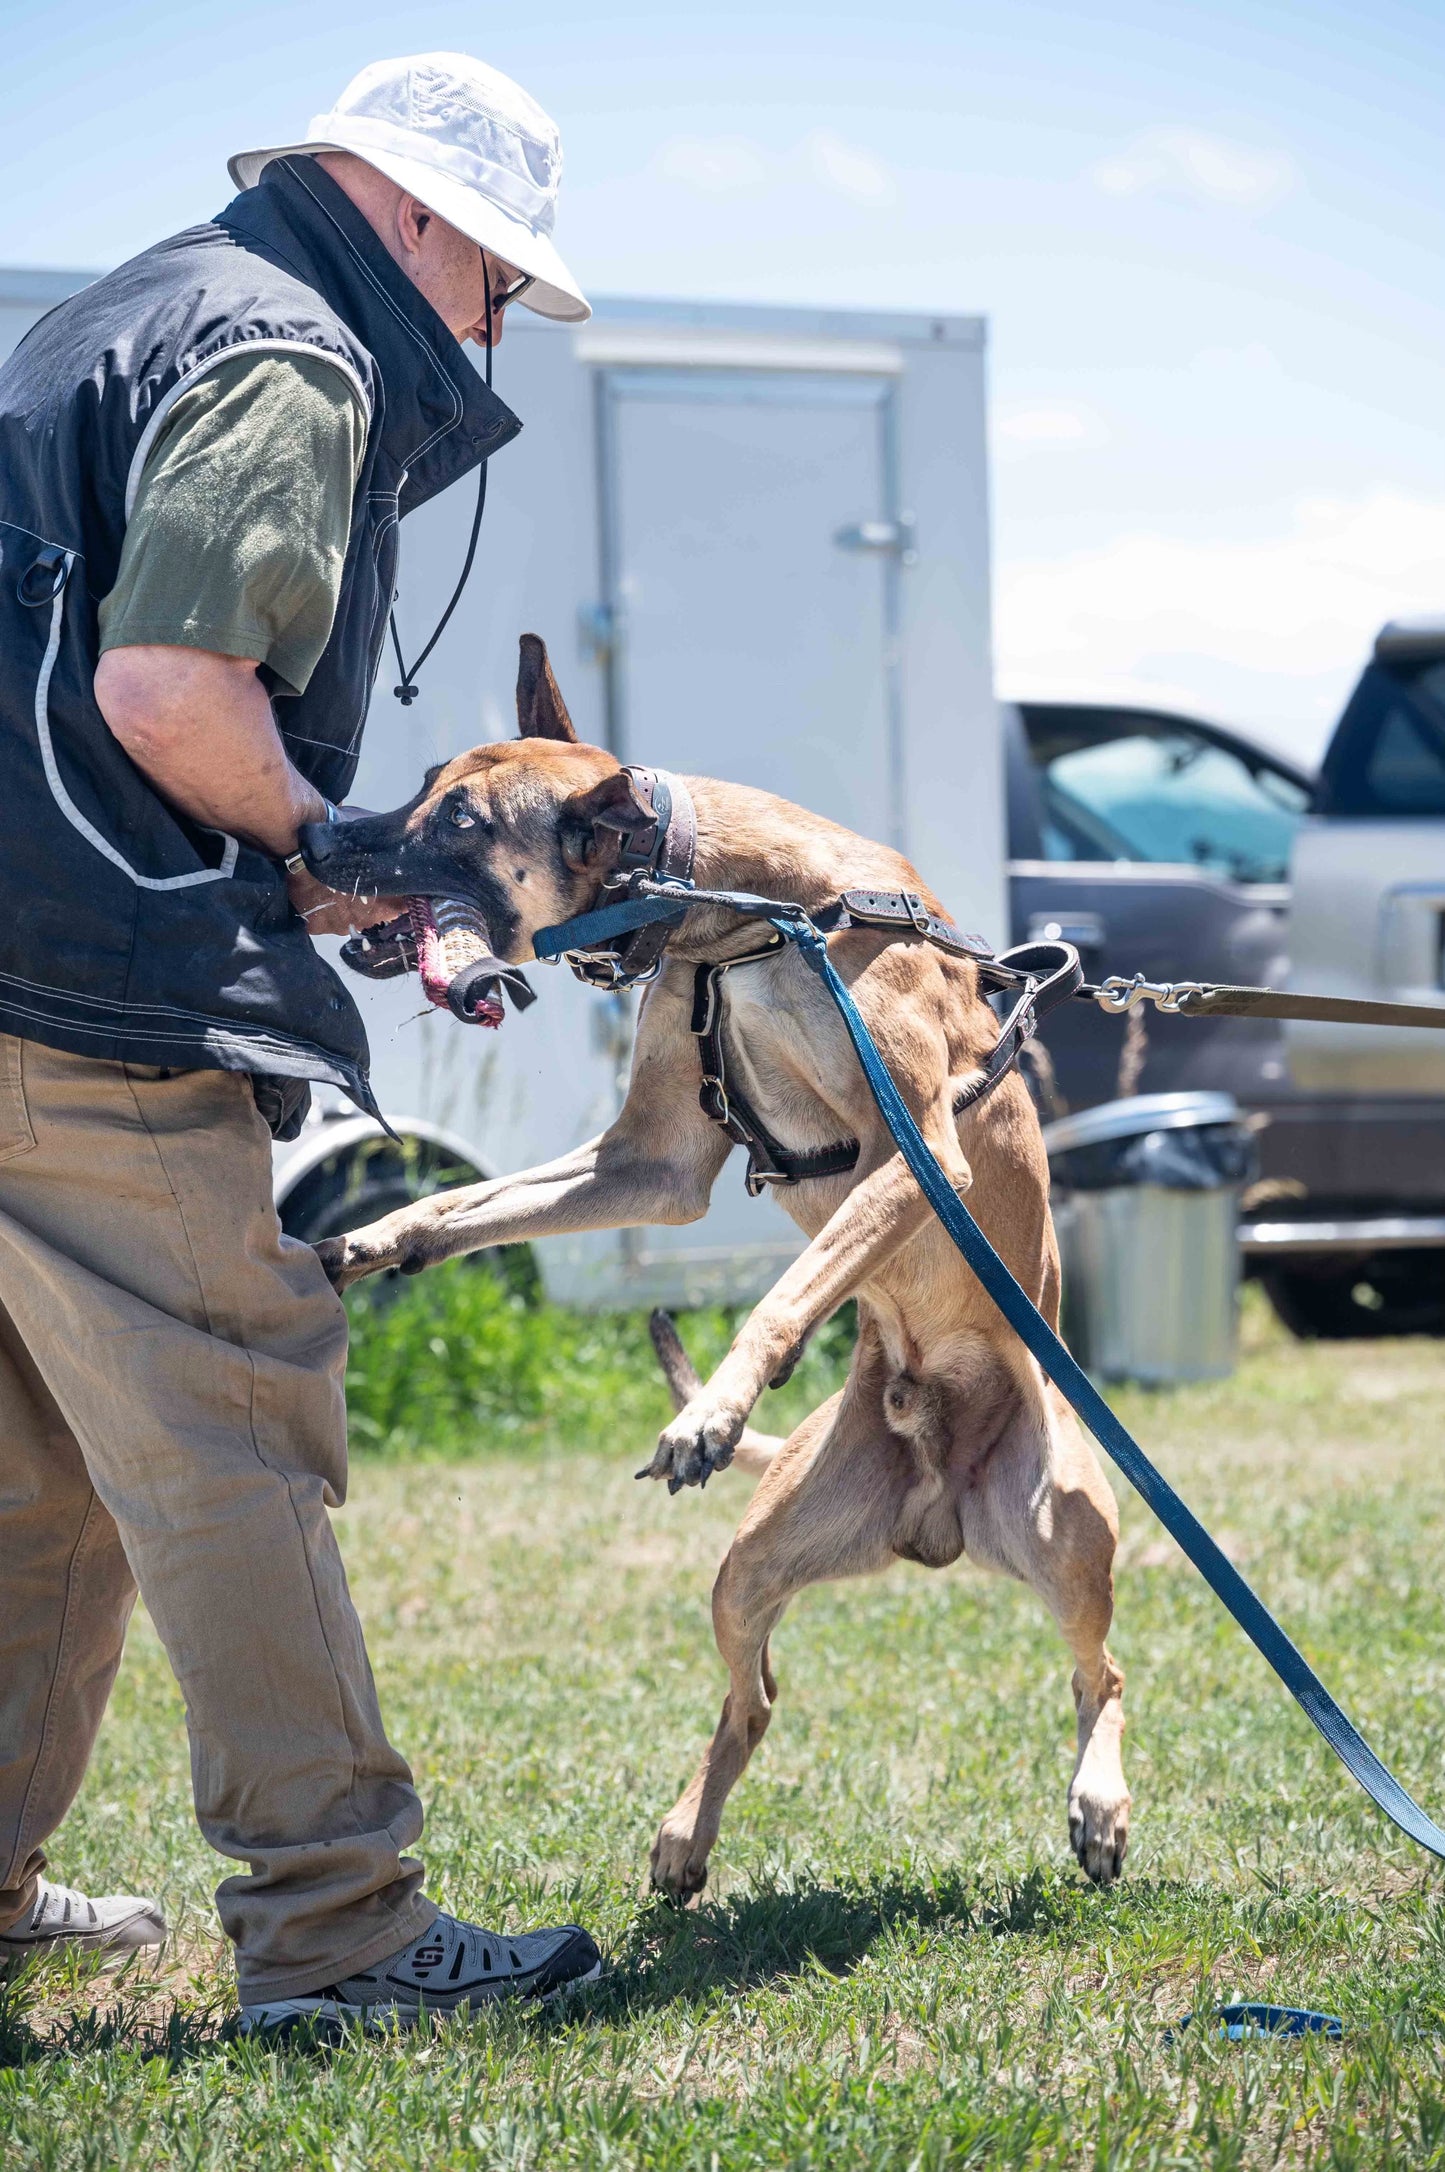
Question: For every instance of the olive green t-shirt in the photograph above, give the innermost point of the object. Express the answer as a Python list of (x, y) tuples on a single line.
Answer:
[(238, 534)]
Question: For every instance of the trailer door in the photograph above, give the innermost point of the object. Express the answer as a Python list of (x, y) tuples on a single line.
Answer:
[(750, 554), (749, 559)]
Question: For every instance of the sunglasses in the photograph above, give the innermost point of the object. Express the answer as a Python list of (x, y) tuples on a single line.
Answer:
[(503, 295)]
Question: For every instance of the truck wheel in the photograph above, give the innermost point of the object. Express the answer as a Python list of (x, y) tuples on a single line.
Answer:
[(1332, 1300), (365, 1180)]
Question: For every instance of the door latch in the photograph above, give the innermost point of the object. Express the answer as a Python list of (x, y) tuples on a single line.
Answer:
[(885, 538)]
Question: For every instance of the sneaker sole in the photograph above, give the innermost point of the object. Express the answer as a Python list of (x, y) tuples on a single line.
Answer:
[(330, 2021)]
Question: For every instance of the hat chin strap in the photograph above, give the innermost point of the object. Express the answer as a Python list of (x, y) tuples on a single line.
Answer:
[(407, 692)]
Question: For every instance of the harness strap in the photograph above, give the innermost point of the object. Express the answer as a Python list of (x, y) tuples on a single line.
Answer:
[(769, 1161), (1046, 974), (1052, 975), (1253, 1616), (895, 910)]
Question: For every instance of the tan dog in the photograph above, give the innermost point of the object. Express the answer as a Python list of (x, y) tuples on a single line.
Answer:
[(946, 1436)]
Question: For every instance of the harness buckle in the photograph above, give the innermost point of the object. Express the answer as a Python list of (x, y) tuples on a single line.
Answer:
[(917, 912), (600, 969)]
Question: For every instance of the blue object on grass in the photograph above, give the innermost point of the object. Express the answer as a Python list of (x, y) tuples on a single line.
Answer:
[(1252, 2019)]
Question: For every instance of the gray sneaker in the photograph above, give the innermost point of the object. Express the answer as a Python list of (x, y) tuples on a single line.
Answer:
[(117, 1923), (452, 1966)]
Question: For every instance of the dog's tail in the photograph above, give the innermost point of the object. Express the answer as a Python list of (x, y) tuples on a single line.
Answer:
[(755, 1451)]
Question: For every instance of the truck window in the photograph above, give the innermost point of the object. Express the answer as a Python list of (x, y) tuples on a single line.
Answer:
[(1131, 787), (1388, 755)]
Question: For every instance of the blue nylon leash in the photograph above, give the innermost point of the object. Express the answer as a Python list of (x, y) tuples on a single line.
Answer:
[(1018, 1309), (1253, 1616)]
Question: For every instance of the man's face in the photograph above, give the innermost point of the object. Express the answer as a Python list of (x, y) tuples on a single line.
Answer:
[(447, 268)]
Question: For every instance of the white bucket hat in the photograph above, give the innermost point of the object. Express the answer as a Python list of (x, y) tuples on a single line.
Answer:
[(468, 143)]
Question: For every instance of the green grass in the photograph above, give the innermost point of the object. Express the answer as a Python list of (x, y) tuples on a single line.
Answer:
[(896, 1964)]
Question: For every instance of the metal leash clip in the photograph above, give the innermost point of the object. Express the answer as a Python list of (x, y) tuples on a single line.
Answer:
[(1118, 995)]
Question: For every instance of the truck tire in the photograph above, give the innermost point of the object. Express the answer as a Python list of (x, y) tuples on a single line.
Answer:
[(374, 1176), (1334, 1300)]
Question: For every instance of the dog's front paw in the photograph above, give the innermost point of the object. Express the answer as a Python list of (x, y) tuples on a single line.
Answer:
[(679, 1858), (699, 1441), (363, 1252)]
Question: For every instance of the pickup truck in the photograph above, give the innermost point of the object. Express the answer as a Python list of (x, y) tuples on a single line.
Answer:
[(1161, 843)]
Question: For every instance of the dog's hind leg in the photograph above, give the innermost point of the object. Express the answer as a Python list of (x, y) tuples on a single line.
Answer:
[(825, 1508), (1040, 1508)]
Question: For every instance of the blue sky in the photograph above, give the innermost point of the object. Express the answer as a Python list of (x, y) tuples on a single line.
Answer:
[(1208, 238)]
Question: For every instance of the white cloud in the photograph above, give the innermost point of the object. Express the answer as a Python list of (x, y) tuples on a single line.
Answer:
[(737, 166), (714, 165), (1021, 430), (1283, 621), (1188, 162), (847, 169)]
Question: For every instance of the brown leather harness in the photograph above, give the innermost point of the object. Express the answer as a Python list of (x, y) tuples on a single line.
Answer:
[(662, 849)]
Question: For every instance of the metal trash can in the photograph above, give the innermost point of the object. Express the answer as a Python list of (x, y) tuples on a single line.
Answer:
[(1146, 1203)]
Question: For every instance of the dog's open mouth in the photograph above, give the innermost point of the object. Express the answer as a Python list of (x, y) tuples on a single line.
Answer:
[(445, 942)]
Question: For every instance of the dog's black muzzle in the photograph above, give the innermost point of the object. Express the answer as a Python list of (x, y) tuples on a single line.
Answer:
[(371, 856), (360, 853)]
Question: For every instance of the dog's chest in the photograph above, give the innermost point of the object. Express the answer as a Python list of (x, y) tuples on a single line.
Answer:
[(780, 1036)]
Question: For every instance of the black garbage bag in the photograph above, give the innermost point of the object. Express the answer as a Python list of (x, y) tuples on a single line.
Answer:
[(1197, 1158)]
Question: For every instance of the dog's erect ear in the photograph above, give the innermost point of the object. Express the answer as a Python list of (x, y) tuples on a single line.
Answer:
[(593, 822), (541, 711)]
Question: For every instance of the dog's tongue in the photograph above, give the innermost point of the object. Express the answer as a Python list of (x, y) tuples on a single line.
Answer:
[(449, 937)]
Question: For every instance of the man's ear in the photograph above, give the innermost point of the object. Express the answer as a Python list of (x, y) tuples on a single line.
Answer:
[(591, 823), (541, 711)]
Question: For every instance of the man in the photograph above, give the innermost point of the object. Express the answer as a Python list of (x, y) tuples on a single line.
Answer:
[(203, 459)]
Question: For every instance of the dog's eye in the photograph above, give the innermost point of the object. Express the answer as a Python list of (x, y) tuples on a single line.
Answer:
[(462, 818)]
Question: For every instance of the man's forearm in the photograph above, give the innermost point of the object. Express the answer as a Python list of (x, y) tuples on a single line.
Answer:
[(200, 727)]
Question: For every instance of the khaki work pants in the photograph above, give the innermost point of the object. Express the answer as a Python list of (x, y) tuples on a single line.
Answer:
[(172, 1417)]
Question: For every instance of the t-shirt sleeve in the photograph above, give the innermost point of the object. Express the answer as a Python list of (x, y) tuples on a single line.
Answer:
[(238, 535)]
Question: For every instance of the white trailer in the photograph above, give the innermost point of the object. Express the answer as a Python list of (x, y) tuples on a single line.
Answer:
[(756, 543)]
